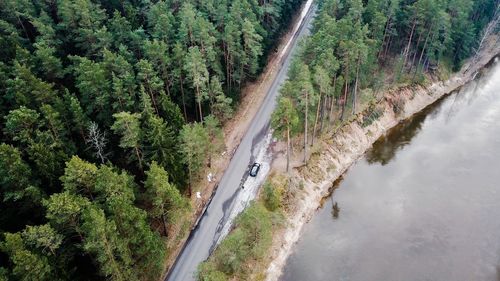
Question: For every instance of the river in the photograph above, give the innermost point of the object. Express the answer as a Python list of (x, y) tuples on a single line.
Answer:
[(422, 204)]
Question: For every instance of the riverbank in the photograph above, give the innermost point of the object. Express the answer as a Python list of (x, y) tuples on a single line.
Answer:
[(335, 153)]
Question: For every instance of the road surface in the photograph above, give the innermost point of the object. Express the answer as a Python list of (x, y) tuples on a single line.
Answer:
[(203, 239)]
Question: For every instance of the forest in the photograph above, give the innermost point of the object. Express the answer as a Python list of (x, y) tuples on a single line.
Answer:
[(359, 48), (109, 110)]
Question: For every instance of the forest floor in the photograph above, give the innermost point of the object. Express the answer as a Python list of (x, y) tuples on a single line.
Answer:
[(252, 96), (345, 142)]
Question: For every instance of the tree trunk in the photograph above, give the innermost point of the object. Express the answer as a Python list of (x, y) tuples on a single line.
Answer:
[(389, 41), (416, 51), (288, 149), (487, 31), (407, 48), (164, 224), (356, 87), (332, 102), (183, 100), (198, 100), (153, 100), (305, 127), (345, 91), (316, 119), (387, 24), (322, 114), (137, 152), (422, 54)]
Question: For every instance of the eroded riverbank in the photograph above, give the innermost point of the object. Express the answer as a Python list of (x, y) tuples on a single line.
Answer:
[(350, 142)]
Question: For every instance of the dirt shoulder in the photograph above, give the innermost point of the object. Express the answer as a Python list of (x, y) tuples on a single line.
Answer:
[(335, 153), (252, 96)]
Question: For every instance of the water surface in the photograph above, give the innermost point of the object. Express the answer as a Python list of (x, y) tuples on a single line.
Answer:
[(423, 204)]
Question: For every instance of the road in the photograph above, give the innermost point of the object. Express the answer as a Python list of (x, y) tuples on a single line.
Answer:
[(203, 239)]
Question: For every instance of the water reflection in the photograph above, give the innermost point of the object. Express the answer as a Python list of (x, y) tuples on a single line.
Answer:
[(335, 209), (385, 148), (428, 212)]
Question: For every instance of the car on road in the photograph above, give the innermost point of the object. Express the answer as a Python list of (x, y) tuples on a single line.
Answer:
[(255, 169)]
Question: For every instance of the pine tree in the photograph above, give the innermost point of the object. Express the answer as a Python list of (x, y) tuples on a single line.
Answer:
[(283, 121), (322, 81), (196, 69), (164, 149), (15, 176), (168, 204), (194, 139), (215, 142), (103, 242), (27, 265), (128, 126)]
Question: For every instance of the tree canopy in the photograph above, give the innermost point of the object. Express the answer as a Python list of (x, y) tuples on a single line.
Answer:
[(98, 139)]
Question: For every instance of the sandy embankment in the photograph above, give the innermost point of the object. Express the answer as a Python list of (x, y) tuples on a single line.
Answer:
[(351, 142)]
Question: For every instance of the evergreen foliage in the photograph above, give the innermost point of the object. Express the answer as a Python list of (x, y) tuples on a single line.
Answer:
[(353, 39), (96, 144)]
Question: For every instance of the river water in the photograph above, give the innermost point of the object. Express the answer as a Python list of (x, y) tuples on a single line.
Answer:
[(423, 204)]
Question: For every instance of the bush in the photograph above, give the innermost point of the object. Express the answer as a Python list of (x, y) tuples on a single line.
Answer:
[(272, 196), (208, 272)]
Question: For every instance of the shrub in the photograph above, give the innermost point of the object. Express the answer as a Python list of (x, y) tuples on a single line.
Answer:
[(272, 196)]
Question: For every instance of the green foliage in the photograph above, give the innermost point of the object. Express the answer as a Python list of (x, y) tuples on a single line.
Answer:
[(215, 143), (103, 242), (64, 209), (21, 123), (285, 117), (98, 205), (15, 176), (42, 237), (168, 204), (129, 127), (272, 196), (249, 241), (194, 140), (27, 265), (79, 176)]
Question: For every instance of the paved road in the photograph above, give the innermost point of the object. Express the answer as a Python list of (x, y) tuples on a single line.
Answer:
[(203, 238)]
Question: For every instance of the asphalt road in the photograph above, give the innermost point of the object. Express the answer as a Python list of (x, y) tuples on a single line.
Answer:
[(203, 239)]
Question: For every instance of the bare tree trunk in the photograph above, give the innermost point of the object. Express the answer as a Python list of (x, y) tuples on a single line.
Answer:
[(487, 31), (288, 149), (389, 41), (322, 114), (198, 97), (345, 91), (305, 126), (423, 49), (416, 51), (139, 158), (387, 24), (316, 119), (164, 224), (183, 100), (356, 87), (407, 48), (333, 99)]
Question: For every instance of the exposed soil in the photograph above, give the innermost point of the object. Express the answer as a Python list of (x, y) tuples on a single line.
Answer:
[(335, 153)]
